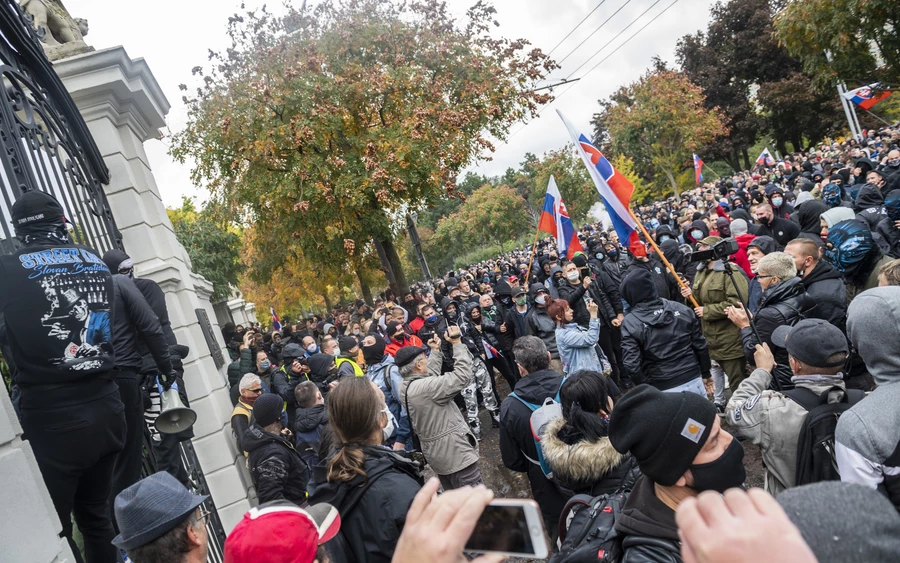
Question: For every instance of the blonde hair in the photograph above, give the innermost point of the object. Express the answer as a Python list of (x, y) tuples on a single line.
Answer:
[(778, 264)]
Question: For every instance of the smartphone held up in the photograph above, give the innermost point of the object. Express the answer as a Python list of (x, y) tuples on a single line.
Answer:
[(510, 527)]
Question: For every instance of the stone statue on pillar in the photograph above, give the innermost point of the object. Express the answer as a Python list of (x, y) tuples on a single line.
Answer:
[(61, 35)]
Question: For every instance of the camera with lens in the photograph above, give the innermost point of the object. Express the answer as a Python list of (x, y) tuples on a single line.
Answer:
[(719, 251)]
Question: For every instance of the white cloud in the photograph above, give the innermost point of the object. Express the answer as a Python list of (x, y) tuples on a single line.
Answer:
[(174, 36)]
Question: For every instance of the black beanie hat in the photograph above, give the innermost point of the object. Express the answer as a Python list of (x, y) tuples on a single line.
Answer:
[(663, 431), (267, 409), (638, 287), (347, 343), (34, 211)]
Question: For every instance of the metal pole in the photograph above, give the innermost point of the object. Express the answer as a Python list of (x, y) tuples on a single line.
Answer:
[(417, 246), (844, 102)]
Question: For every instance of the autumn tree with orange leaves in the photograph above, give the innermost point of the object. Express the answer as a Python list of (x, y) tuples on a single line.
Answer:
[(323, 127), (658, 121)]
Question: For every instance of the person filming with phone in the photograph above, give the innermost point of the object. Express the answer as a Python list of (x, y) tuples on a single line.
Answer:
[(446, 439)]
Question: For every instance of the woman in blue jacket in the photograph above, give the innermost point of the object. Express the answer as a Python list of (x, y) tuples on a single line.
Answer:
[(578, 348)]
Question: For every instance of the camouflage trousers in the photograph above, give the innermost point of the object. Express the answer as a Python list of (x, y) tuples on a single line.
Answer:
[(481, 380)]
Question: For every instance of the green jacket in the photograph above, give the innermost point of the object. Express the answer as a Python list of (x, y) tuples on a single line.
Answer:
[(240, 366), (714, 292)]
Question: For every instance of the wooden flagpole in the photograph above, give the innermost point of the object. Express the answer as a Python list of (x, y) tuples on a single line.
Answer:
[(531, 260), (661, 255)]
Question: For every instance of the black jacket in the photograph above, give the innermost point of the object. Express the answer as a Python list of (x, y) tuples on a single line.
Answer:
[(373, 511), (538, 323), (133, 321), (647, 527), (308, 426), (277, 470), (516, 441), (284, 381), (826, 287), (782, 230), (617, 267), (155, 297), (491, 319), (888, 237), (784, 304), (663, 345)]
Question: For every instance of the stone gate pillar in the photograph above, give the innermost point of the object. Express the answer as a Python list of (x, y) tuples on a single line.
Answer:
[(124, 106)]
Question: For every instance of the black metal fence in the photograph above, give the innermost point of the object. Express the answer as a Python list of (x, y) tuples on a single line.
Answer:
[(46, 145)]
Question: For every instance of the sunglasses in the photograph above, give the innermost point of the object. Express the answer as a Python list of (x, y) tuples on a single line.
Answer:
[(256, 391)]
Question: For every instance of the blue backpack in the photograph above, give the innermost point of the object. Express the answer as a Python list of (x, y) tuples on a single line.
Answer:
[(541, 416)]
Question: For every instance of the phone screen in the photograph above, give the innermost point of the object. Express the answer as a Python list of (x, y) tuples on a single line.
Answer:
[(501, 528)]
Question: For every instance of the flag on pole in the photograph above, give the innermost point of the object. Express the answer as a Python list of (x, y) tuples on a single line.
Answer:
[(765, 158), (276, 323), (555, 220), (698, 169), (615, 190), (864, 98)]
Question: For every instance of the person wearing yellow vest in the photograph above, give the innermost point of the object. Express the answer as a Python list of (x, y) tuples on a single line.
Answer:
[(346, 363), (251, 388)]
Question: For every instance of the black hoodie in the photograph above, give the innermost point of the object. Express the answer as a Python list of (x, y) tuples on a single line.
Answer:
[(826, 286), (276, 467), (869, 206)]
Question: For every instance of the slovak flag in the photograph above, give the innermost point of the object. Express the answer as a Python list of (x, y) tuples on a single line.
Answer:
[(276, 322), (864, 98), (698, 169), (555, 220), (615, 190), (765, 158)]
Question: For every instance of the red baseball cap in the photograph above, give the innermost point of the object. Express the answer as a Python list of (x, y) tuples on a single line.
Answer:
[(281, 532)]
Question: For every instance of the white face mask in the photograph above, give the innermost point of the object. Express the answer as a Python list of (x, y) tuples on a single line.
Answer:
[(389, 427), (541, 299), (572, 276)]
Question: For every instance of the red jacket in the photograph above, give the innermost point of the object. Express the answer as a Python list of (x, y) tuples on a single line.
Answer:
[(416, 324), (740, 257), (408, 340)]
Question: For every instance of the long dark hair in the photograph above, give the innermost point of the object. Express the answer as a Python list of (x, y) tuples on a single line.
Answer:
[(353, 408), (584, 394)]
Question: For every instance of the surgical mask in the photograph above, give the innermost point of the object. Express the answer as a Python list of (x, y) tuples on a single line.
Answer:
[(721, 474), (664, 238), (312, 348), (696, 234), (431, 318), (777, 201), (388, 429), (355, 332), (572, 276), (893, 162), (599, 256), (541, 299), (265, 364), (612, 253), (521, 301), (453, 313)]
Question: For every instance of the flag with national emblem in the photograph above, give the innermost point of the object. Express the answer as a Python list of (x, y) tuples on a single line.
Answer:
[(698, 170), (555, 221), (615, 190), (865, 97), (276, 322), (765, 158)]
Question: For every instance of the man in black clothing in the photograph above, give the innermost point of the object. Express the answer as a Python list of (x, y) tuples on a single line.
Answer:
[(666, 286), (133, 322), (681, 450), (277, 470), (822, 282), (55, 302), (782, 230), (166, 448), (517, 447)]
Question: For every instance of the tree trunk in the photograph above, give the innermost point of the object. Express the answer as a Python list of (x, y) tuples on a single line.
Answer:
[(397, 280), (673, 183), (327, 302), (746, 159), (363, 286), (385, 264)]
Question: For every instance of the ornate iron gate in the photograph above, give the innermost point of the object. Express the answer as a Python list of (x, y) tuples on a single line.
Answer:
[(46, 145)]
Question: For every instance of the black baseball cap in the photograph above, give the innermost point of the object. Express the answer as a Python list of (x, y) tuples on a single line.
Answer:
[(407, 354), (813, 342)]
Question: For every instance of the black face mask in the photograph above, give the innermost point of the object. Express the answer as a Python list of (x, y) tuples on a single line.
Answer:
[(763, 220), (722, 474)]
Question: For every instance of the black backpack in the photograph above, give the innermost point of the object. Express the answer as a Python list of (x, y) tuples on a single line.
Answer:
[(815, 449), (591, 534)]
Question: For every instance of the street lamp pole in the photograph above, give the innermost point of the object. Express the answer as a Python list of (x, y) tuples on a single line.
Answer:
[(411, 219)]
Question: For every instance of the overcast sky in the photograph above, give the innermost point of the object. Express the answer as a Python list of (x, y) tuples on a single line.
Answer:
[(173, 36)]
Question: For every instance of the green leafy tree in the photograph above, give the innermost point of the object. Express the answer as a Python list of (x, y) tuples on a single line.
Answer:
[(625, 166), (213, 245), (857, 41), (659, 121), (325, 126), (794, 111)]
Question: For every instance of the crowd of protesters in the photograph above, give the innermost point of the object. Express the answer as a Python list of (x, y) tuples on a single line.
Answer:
[(663, 356)]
